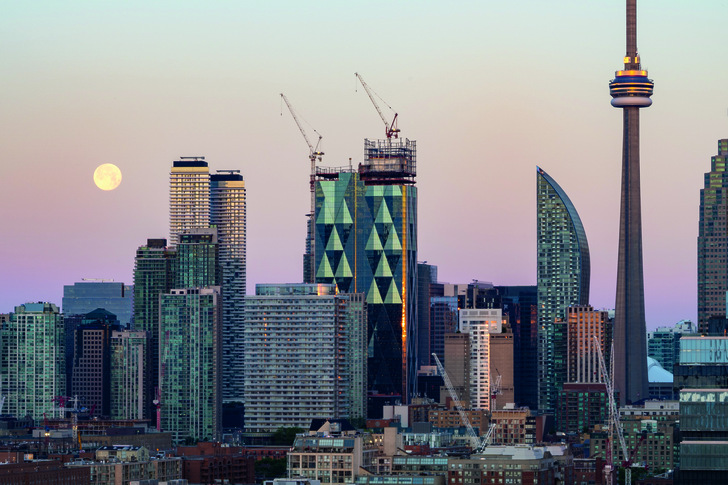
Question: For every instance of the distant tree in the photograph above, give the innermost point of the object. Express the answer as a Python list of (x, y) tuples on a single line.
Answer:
[(269, 468), (285, 436), (189, 441)]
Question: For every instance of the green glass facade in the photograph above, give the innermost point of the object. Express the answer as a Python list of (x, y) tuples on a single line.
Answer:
[(562, 279), (154, 271), (198, 263), (33, 360), (128, 374), (190, 363), (366, 241)]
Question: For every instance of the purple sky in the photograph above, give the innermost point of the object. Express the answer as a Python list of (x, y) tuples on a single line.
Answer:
[(488, 89)]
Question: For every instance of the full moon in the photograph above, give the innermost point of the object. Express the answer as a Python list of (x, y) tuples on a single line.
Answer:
[(107, 176)]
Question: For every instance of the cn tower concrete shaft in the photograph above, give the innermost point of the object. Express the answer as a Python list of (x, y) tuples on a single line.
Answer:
[(630, 90)]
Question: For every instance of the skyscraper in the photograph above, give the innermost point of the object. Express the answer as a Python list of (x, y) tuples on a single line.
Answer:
[(189, 196), (366, 241), (562, 280), (190, 365), (228, 215), (584, 326), (306, 358), (154, 272), (88, 295), (129, 374), (630, 90), (32, 360), (480, 324), (712, 241), (198, 261), (91, 374)]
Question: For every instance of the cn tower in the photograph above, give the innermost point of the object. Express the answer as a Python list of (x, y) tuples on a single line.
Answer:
[(630, 90)]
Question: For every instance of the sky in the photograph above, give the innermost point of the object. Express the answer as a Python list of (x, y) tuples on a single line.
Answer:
[(489, 90)]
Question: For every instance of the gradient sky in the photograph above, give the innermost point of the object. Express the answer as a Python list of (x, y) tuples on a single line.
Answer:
[(488, 89)]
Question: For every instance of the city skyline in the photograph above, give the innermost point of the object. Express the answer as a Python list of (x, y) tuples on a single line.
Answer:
[(144, 93)]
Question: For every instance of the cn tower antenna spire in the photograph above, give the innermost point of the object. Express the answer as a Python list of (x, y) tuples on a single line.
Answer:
[(633, 62)]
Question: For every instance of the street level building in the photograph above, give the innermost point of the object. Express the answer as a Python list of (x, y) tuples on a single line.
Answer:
[(563, 276), (306, 356)]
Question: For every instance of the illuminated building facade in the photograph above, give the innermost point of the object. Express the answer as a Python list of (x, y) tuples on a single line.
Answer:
[(712, 240), (479, 325), (189, 196), (562, 280), (366, 242), (584, 326)]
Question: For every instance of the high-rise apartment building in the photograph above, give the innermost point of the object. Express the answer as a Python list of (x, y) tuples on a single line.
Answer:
[(154, 274), (32, 360), (189, 196), (129, 374), (366, 241), (589, 332), (198, 261), (426, 278), (562, 278), (480, 324), (88, 295), (501, 365), (712, 240), (190, 363), (306, 356), (457, 365), (228, 215), (630, 90)]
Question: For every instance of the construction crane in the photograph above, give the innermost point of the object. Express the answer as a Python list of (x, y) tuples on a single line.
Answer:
[(495, 390), (615, 424), (391, 129), (314, 154), (478, 444)]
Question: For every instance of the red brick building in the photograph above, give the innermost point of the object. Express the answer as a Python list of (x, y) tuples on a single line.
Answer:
[(207, 462)]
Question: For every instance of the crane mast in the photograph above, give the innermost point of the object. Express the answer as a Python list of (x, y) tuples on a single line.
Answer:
[(615, 424), (391, 129), (314, 154)]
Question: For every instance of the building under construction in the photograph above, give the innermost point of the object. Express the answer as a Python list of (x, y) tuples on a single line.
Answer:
[(365, 241)]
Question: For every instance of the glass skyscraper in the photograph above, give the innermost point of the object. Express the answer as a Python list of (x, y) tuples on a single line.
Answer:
[(562, 280), (88, 295), (713, 240), (129, 374), (190, 365), (366, 241)]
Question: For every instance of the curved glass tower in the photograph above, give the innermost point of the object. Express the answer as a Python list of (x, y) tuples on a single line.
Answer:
[(562, 280)]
